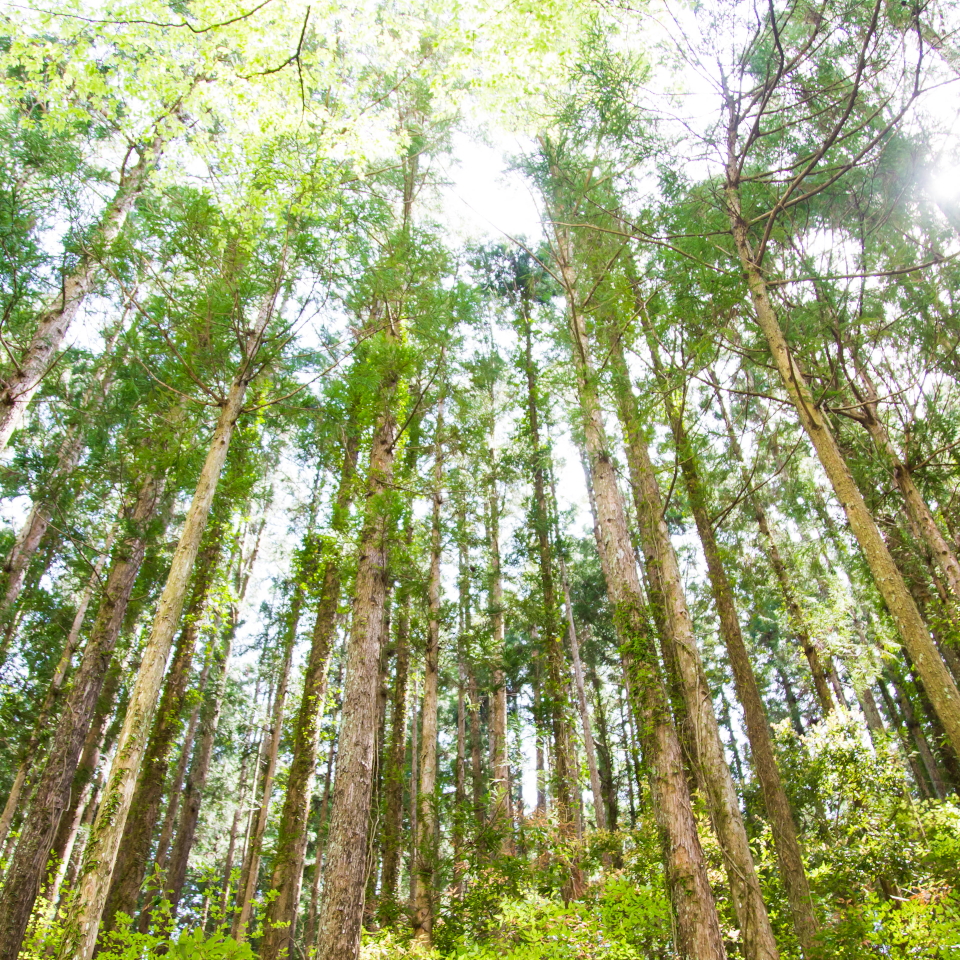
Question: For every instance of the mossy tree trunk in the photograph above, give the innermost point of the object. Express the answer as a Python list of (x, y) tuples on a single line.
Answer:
[(86, 906), (52, 795)]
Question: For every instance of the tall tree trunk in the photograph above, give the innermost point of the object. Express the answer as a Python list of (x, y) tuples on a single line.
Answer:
[(199, 767), (427, 829), (21, 383), (175, 795), (52, 795), (393, 777), (599, 809), (251, 746), (604, 754), (373, 851), (697, 924), (134, 853), (783, 826), (207, 714), (34, 528), (920, 771), (310, 927), (263, 787), (913, 631), (680, 646), (500, 800), (919, 513), (86, 906), (629, 757), (98, 741), (345, 872), (821, 684), (281, 914), (412, 793), (51, 697), (536, 710), (556, 693)]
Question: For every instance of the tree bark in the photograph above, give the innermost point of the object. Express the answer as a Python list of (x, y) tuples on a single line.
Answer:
[(500, 799), (21, 383), (345, 873), (199, 769), (134, 854), (29, 753), (698, 933), (782, 824), (913, 631), (666, 592), (589, 746), (281, 914), (427, 828), (86, 906), (52, 795), (556, 693), (393, 777)]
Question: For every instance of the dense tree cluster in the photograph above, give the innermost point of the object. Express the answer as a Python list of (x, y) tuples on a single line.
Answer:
[(367, 591)]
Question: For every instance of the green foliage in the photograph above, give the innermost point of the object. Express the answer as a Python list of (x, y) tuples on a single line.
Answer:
[(619, 918), (182, 945), (126, 942)]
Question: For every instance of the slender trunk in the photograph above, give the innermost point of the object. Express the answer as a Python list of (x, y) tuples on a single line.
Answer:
[(783, 826), (87, 781), (556, 692), (707, 753), (393, 777), (915, 730), (427, 828), (412, 794), (599, 809), (920, 775), (86, 906), (291, 848), (199, 769), (249, 746), (476, 761), (919, 513), (72, 850), (821, 683), (500, 800), (52, 795), (52, 695), (32, 532), (78, 817), (345, 873), (270, 750), (460, 771), (373, 851), (310, 926), (604, 756), (697, 925), (937, 738), (627, 741), (540, 759), (133, 857), (21, 383), (175, 795), (913, 631)]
